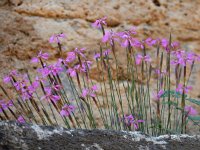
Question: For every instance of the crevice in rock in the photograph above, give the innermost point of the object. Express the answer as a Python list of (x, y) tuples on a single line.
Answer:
[(156, 3)]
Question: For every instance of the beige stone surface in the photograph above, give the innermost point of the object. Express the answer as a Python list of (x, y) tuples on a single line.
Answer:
[(26, 25)]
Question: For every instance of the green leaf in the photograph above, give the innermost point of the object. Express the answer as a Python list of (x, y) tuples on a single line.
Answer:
[(170, 103), (172, 93), (194, 118), (197, 102)]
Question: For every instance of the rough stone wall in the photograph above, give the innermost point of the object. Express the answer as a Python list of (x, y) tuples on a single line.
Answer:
[(26, 25), (15, 136)]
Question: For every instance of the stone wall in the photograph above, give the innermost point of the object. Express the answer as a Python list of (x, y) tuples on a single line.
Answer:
[(26, 25), (26, 136)]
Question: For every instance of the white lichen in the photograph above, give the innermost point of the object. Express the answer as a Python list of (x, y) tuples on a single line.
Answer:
[(137, 136), (42, 133)]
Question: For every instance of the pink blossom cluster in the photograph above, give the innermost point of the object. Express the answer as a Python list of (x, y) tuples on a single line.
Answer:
[(130, 120), (104, 54), (40, 55), (99, 23), (67, 110), (55, 38), (90, 91), (157, 96), (181, 88), (182, 58), (5, 104), (50, 95)]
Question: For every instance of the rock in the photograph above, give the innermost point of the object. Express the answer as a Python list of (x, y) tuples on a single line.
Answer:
[(27, 25), (27, 136)]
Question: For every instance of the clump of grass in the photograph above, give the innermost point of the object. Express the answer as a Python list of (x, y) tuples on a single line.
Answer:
[(130, 103)]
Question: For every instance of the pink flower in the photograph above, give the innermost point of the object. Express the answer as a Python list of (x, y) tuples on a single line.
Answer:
[(4, 105), (86, 66), (182, 58), (165, 44), (71, 56), (127, 38), (36, 83), (8, 78), (90, 91), (129, 120), (67, 110), (140, 58), (109, 36), (79, 68), (44, 71), (79, 52), (181, 88), (150, 41), (55, 69), (157, 96), (136, 43), (161, 73), (71, 72), (55, 38), (56, 87), (21, 119), (40, 55), (99, 23), (106, 52), (97, 55), (50, 96), (26, 94), (190, 111)]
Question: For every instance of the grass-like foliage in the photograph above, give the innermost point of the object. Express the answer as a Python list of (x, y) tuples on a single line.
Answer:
[(135, 95)]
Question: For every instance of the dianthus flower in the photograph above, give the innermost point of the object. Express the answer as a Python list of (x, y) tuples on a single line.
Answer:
[(89, 91), (40, 55), (97, 55), (71, 56), (161, 73), (55, 38), (165, 44), (79, 52), (4, 105), (127, 38), (182, 58), (67, 110), (105, 53), (55, 69), (56, 87), (79, 68), (181, 88), (50, 96), (157, 96), (99, 23), (44, 71), (9, 77), (71, 72), (129, 120), (140, 58), (150, 42), (190, 111), (22, 83), (109, 36), (36, 83), (21, 119), (86, 66)]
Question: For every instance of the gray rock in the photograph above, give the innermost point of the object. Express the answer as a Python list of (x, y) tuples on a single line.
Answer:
[(26, 136)]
